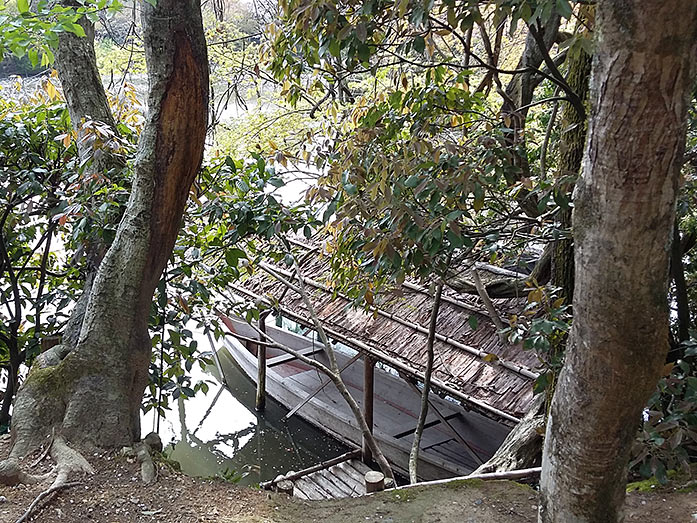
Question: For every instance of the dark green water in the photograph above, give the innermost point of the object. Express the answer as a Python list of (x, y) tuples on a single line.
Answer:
[(221, 434)]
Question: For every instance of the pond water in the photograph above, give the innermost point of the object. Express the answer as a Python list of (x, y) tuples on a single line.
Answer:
[(221, 434)]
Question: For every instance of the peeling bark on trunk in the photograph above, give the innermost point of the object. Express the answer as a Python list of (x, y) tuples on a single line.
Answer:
[(623, 218), (93, 394)]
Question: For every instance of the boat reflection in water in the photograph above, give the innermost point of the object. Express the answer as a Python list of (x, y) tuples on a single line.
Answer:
[(220, 433)]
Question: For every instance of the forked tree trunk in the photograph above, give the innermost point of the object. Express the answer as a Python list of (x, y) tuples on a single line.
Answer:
[(92, 395), (623, 218)]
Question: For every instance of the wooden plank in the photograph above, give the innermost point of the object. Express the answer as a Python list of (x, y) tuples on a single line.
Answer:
[(285, 358), (332, 482), (361, 467), (356, 488), (317, 482), (352, 472), (311, 490), (298, 493), (314, 468)]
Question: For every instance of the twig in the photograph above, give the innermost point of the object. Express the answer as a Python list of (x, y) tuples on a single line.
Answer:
[(42, 495)]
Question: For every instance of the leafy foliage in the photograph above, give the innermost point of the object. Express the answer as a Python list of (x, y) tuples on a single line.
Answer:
[(668, 437), (35, 33)]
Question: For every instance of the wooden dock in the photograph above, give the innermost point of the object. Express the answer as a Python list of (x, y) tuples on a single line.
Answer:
[(344, 480), (339, 477)]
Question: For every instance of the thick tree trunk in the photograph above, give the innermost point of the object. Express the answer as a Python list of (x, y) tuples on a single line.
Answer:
[(623, 219), (93, 393)]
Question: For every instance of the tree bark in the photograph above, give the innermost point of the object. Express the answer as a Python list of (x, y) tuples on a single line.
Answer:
[(677, 272), (571, 145), (623, 218), (93, 394), (516, 99)]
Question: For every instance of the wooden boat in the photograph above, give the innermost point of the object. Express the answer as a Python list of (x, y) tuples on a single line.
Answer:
[(455, 441)]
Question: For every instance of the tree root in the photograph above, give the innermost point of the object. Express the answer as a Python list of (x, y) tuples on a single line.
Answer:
[(12, 474), (67, 461), (53, 488)]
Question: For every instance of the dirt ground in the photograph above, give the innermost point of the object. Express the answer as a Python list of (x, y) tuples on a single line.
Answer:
[(114, 494)]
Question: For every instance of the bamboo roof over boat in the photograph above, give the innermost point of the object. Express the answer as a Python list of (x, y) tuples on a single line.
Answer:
[(471, 364)]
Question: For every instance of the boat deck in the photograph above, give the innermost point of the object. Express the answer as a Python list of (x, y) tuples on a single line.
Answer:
[(455, 441), (446, 425)]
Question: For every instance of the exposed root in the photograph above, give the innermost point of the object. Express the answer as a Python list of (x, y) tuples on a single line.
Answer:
[(50, 490), (11, 474), (68, 461)]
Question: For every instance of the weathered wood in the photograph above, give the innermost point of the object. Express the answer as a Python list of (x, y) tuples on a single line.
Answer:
[(399, 365), (374, 481), (331, 484), (285, 358), (368, 393), (357, 488), (446, 423), (319, 389), (285, 486), (310, 489), (392, 414), (356, 475), (512, 366), (323, 465)]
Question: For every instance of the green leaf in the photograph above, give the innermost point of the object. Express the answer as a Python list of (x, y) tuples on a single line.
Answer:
[(419, 44), (412, 181), (473, 322), (76, 29), (23, 6)]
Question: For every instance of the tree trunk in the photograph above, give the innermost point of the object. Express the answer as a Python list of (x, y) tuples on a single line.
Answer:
[(517, 97), (76, 64), (573, 139), (677, 272), (93, 394), (623, 218)]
